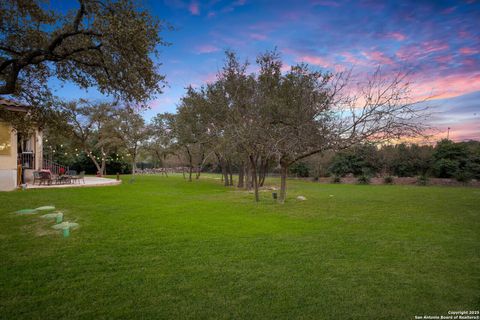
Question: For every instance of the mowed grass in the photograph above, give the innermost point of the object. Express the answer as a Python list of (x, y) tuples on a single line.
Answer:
[(163, 248)]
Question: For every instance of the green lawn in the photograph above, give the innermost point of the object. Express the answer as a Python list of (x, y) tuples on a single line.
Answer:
[(163, 248)]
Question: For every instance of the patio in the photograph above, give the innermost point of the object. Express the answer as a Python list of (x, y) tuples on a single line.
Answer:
[(89, 182)]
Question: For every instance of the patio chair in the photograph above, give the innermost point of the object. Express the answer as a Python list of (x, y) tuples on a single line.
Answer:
[(79, 177), (36, 177), (45, 176), (72, 172)]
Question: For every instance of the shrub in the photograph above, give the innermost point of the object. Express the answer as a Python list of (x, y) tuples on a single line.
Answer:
[(463, 176), (363, 179), (446, 168), (388, 180), (300, 169), (422, 180), (336, 179)]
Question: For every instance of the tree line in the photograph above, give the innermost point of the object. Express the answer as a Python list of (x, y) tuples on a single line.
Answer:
[(446, 159)]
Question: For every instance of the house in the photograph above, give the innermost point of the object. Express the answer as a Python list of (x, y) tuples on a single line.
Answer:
[(20, 154)]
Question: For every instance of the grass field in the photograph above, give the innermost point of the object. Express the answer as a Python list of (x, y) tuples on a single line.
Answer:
[(163, 248)]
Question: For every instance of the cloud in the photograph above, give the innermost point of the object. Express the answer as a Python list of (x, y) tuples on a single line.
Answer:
[(396, 35), (315, 60), (353, 59), (161, 104), (206, 48), (258, 36), (468, 51), (448, 86), (378, 57), (209, 77), (421, 50), (194, 8)]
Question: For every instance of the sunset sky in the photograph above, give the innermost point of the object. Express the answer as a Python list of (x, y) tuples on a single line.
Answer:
[(437, 41)]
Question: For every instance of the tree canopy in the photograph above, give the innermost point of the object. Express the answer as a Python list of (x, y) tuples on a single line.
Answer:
[(106, 44)]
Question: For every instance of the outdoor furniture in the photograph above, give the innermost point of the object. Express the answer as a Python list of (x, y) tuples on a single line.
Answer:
[(64, 179), (36, 177), (46, 177), (81, 176), (72, 173)]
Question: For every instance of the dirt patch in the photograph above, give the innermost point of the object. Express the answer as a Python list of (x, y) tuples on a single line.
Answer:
[(39, 228)]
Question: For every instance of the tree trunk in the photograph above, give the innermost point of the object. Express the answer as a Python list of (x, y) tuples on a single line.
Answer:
[(248, 176), (253, 162), (92, 157), (263, 172), (134, 167), (283, 182), (241, 175), (225, 179), (199, 168), (103, 167), (104, 163), (229, 171), (190, 163)]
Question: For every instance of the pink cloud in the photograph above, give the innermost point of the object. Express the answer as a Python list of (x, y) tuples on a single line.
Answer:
[(258, 36), (468, 51), (460, 131), (318, 61), (285, 68), (206, 48), (444, 59), (420, 51), (162, 103), (447, 87), (396, 35), (352, 59), (449, 10), (194, 8), (210, 77), (378, 57)]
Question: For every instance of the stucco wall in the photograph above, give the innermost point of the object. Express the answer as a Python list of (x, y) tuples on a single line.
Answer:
[(8, 162), (8, 180)]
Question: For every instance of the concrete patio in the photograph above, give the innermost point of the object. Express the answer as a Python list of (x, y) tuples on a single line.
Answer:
[(89, 182)]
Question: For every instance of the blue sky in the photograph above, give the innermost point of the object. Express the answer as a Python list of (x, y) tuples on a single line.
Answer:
[(437, 41)]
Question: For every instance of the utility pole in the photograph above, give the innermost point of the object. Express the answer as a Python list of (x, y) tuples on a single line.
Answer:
[(448, 133)]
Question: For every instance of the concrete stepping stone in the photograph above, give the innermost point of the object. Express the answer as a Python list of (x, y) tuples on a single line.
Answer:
[(45, 208), (65, 227), (58, 216), (26, 211)]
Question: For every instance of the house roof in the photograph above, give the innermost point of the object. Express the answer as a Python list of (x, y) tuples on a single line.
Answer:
[(13, 105)]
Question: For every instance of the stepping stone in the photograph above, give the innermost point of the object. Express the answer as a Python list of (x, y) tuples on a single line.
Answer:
[(26, 211), (58, 216), (50, 215), (45, 208), (65, 225)]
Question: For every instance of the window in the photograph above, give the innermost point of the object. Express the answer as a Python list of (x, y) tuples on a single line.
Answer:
[(5, 139)]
